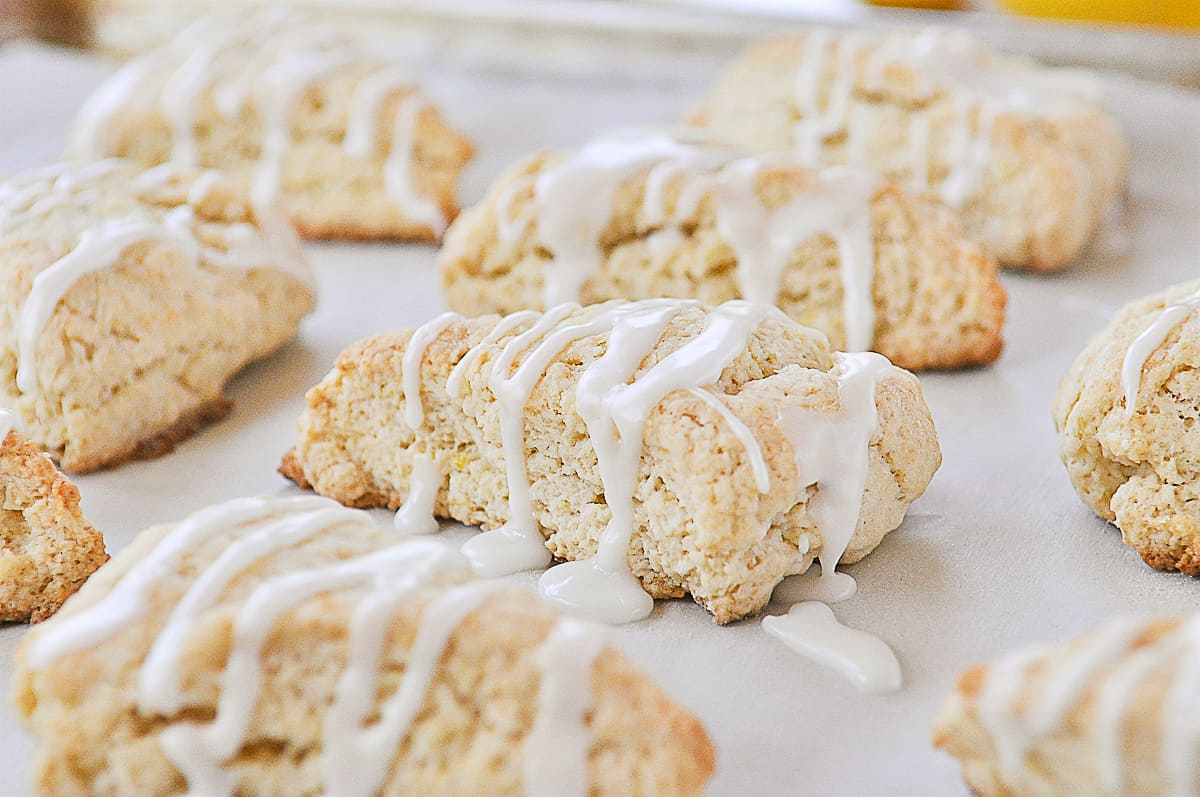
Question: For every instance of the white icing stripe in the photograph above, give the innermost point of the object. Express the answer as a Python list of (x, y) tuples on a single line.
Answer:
[(504, 326), (1180, 732), (935, 63), (841, 479), (8, 422), (560, 740), (762, 474), (397, 170), (518, 544), (765, 241), (416, 515), (811, 630), (364, 770), (99, 248), (199, 751), (616, 411), (573, 204), (128, 599), (414, 354), (1147, 343), (509, 228), (366, 105), (158, 678)]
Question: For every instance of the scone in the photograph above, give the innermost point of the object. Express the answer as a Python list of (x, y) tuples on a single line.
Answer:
[(659, 445), (291, 646), (1110, 713), (47, 547), (644, 213), (1127, 433), (128, 298), (1027, 155), (342, 139)]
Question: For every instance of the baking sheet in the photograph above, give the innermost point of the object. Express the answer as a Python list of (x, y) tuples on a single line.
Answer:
[(999, 552)]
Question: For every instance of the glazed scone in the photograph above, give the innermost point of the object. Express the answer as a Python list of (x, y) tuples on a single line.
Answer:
[(644, 213), (1110, 713), (1027, 155), (342, 139), (271, 646), (128, 298), (47, 547), (1125, 415), (657, 445)]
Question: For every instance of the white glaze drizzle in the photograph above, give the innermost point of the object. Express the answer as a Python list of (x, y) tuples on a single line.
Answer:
[(414, 353), (504, 326), (416, 514), (9, 421), (128, 599), (758, 463), (518, 544), (101, 246), (832, 451), (573, 203), (810, 629), (616, 410), (356, 756), (560, 739), (1147, 342), (274, 58), (765, 241), (1180, 728), (941, 61)]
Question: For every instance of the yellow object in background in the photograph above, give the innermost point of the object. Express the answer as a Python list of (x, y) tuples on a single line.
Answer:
[(941, 5), (1175, 13)]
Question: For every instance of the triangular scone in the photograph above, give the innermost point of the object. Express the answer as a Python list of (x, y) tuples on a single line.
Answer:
[(47, 548), (128, 298), (272, 646), (1125, 416), (1113, 712), (338, 135), (728, 419), (641, 214), (1027, 155)]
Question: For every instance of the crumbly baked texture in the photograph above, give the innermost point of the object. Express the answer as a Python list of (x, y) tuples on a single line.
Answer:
[(470, 735), (47, 548), (135, 355), (701, 527), (938, 303), (1050, 167), (326, 191), (1068, 758), (1141, 472)]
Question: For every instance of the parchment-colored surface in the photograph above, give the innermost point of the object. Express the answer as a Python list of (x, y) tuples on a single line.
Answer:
[(999, 553)]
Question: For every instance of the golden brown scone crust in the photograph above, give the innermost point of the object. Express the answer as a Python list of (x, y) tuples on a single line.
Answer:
[(1063, 762), (1048, 177), (468, 738), (136, 355), (700, 525), (937, 300), (47, 548), (1141, 472), (325, 192)]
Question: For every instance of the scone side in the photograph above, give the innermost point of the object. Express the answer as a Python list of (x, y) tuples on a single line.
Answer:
[(61, 547)]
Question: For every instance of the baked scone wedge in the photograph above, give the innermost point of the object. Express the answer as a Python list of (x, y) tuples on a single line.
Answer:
[(47, 547), (1126, 433), (645, 213), (270, 646), (128, 298), (1109, 713), (662, 448), (298, 114), (1027, 155)]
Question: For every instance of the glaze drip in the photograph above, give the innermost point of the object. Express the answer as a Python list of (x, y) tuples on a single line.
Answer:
[(1147, 342)]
